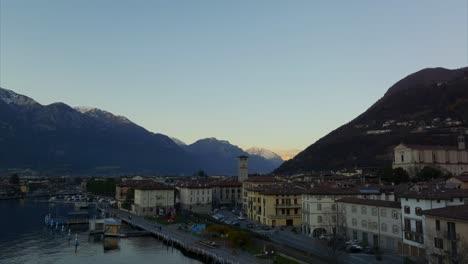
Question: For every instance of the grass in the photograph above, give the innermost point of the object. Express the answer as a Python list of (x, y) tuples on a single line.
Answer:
[(283, 260)]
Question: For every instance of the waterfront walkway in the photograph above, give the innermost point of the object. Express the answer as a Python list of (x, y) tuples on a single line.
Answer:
[(188, 241)]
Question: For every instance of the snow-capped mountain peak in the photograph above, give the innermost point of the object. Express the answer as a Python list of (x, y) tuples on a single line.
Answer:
[(99, 113), (265, 153), (11, 97)]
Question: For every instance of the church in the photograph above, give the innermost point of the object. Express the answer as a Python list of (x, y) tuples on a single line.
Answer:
[(449, 159)]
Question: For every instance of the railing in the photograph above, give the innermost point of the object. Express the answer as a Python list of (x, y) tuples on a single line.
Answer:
[(288, 206), (284, 216)]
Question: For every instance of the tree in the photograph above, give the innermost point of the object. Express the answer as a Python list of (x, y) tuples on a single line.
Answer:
[(14, 179), (129, 198), (429, 173), (390, 175)]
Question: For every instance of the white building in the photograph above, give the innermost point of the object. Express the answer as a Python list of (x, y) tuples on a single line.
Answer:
[(373, 222), (153, 199), (412, 158), (319, 208), (412, 204), (195, 196)]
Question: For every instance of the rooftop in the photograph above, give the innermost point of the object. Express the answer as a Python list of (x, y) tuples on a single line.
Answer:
[(226, 183), (153, 186), (263, 178), (436, 194), (459, 212), (378, 203)]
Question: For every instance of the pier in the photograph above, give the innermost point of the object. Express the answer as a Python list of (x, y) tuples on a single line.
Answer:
[(186, 243)]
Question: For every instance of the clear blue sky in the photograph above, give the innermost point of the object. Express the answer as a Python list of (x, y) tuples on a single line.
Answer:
[(275, 74)]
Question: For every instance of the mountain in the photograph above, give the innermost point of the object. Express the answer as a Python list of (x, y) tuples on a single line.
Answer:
[(286, 154), (59, 139), (426, 107), (179, 142), (220, 157), (267, 154)]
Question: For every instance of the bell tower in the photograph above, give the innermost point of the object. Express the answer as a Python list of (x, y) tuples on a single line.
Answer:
[(243, 170)]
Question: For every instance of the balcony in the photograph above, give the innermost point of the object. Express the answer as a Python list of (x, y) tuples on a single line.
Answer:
[(282, 206), (281, 216)]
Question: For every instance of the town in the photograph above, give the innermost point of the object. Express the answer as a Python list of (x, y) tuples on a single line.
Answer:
[(414, 211)]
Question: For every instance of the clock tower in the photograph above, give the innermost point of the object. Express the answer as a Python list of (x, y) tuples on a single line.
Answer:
[(243, 170)]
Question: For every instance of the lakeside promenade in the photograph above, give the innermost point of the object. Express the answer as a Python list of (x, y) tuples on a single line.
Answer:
[(186, 242)]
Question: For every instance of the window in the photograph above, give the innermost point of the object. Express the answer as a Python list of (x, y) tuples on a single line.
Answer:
[(333, 207), (451, 232), (418, 211), (384, 227), (334, 218), (395, 229), (437, 222), (407, 224), (407, 209), (374, 211), (438, 243), (438, 201), (353, 209), (419, 228), (354, 222), (295, 201), (277, 201), (402, 158), (319, 219), (295, 211), (355, 235), (383, 212), (319, 207), (364, 223), (363, 210), (394, 214)]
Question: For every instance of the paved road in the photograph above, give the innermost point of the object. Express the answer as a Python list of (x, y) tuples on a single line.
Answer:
[(225, 253), (314, 246)]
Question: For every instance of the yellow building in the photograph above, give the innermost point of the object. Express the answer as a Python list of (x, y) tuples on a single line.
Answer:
[(256, 181), (462, 180), (24, 188), (274, 205), (446, 231)]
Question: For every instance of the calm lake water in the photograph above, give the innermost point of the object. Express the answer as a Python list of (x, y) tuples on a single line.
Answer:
[(25, 239)]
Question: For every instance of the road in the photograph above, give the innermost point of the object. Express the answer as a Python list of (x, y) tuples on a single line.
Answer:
[(314, 246)]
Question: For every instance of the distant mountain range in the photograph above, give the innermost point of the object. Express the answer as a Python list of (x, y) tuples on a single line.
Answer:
[(426, 107), (58, 139)]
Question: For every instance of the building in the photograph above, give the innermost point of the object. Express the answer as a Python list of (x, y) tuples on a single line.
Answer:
[(226, 193), (195, 196), (450, 159), (256, 181), (123, 187), (446, 231), (153, 199), (320, 208), (373, 222), (412, 204), (461, 180), (274, 205), (243, 170)]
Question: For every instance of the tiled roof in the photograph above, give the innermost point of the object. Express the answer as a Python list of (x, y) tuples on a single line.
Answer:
[(437, 194), (154, 186), (133, 183), (459, 212), (462, 178), (195, 184), (262, 179), (283, 189), (226, 183), (378, 203)]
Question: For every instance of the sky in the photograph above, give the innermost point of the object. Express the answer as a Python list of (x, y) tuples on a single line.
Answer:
[(267, 73)]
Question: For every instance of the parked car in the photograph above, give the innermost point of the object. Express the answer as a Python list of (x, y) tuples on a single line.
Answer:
[(326, 237), (250, 225), (354, 249), (265, 227), (241, 217), (369, 250)]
